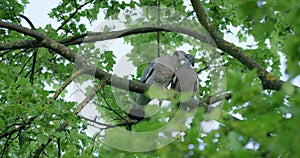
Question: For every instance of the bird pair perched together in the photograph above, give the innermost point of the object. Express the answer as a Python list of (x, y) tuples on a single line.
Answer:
[(177, 70)]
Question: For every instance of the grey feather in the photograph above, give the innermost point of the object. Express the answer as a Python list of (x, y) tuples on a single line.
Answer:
[(159, 72), (148, 72), (186, 81)]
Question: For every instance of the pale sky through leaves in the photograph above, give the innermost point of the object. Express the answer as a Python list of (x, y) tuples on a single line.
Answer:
[(37, 11), (245, 108)]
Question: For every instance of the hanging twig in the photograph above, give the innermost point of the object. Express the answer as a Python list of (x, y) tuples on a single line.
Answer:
[(34, 55), (58, 148), (158, 32), (23, 67), (33, 65)]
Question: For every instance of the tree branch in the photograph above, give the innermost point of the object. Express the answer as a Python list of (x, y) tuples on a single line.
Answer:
[(268, 80), (68, 81), (28, 21), (58, 148), (65, 124), (41, 148), (110, 108), (73, 14), (90, 96), (217, 98), (23, 67), (80, 61), (33, 65), (101, 36), (98, 123), (19, 127)]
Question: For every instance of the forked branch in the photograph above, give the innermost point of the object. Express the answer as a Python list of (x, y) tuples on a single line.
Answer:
[(267, 79)]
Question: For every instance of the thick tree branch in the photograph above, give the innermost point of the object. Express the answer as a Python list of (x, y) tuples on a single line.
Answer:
[(78, 60), (268, 80), (101, 36)]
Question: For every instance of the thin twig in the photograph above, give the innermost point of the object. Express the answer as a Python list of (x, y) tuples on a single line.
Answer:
[(111, 109), (65, 124), (35, 51), (23, 67), (209, 67), (98, 123), (28, 21), (68, 81), (33, 65), (90, 96), (41, 148), (158, 32), (58, 148), (72, 15), (188, 15)]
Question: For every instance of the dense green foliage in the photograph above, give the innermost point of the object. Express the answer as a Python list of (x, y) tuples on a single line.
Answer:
[(30, 118)]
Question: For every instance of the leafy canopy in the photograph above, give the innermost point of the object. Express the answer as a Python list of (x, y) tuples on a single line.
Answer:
[(34, 121)]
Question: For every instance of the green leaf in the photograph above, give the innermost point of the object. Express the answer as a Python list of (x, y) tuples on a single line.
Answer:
[(106, 29), (288, 88), (233, 142), (157, 92), (42, 138)]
